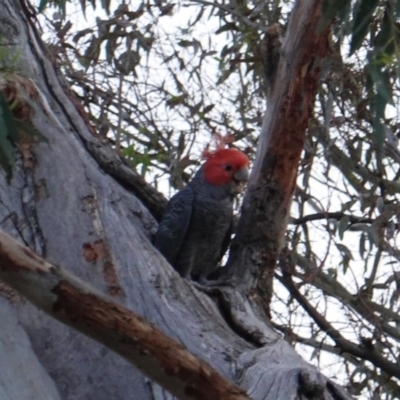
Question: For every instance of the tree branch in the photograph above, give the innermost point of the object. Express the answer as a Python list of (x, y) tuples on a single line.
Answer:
[(266, 205), (114, 165), (331, 215), (345, 345), (352, 169), (315, 344), (361, 304), (76, 304)]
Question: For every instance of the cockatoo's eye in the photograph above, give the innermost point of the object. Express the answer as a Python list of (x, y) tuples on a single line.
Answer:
[(228, 167)]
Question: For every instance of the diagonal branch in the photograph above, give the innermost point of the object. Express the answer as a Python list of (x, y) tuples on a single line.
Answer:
[(345, 345), (365, 307), (370, 373), (76, 304), (315, 344), (114, 165)]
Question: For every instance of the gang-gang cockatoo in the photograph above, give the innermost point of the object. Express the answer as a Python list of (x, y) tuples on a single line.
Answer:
[(196, 228)]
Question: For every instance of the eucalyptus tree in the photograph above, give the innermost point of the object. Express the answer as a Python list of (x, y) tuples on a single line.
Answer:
[(103, 104)]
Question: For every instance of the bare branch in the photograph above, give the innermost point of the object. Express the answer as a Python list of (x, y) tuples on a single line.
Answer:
[(364, 352), (76, 304), (331, 215)]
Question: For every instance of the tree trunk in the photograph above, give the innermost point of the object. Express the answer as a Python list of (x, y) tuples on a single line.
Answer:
[(71, 200)]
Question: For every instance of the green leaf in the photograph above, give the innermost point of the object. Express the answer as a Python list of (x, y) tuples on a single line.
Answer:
[(92, 52), (343, 224), (127, 62), (9, 120), (382, 85), (378, 133), (83, 6), (384, 38), (185, 43), (346, 254), (199, 15), (224, 76), (42, 5), (106, 5), (61, 4), (345, 251), (230, 26), (373, 235), (208, 108), (362, 21), (7, 131), (176, 100), (397, 8), (81, 34), (361, 248), (331, 9)]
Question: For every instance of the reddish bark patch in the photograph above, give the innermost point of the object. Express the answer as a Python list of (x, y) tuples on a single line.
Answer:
[(99, 251), (111, 277), (90, 253), (25, 144)]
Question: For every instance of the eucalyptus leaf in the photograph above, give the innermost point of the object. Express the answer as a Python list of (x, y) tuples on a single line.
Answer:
[(361, 246), (42, 5), (8, 132), (362, 20), (342, 226), (329, 11)]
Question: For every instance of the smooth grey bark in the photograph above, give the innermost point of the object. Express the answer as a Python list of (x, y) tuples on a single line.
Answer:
[(68, 210), (21, 374)]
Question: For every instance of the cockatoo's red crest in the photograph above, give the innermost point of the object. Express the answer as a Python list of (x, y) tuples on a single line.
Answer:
[(223, 166)]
